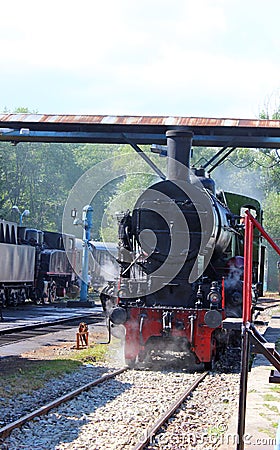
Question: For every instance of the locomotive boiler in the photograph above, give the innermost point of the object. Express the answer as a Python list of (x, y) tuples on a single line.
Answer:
[(181, 263)]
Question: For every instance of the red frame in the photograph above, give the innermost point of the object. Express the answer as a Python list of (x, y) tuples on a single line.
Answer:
[(250, 223), (203, 345)]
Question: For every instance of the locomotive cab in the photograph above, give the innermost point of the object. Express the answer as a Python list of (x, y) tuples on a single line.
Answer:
[(30, 236)]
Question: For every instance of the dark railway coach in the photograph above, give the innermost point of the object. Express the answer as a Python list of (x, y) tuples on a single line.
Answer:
[(35, 264), (17, 264), (43, 265), (181, 264)]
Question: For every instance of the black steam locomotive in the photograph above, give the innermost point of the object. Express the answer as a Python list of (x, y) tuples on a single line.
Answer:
[(35, 264), (181, 263)]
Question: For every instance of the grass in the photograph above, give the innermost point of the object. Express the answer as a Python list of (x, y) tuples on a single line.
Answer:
[(267, 431), (34, 376), (271, 408), (92, 354), (29, 375), (215, 431), (275, 388), (270, 398)]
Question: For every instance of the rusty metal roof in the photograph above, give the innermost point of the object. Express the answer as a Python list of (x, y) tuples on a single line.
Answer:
[(138, 129)]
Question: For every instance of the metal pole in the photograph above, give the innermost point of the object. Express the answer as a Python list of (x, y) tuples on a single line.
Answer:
[(243, 388), (87, 225), (247, 305), (146, 158), (248, 268)]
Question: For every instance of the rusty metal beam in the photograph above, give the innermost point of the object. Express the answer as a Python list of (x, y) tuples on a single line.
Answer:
[(138, 129)]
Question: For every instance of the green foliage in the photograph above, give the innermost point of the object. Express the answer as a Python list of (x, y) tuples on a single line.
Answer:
[(272, 214), (34, 375), (272, 408), (137, 176), (270, 398), (271, 108), (40, 176), (275, 388), (36, 177), (31, 374), (96, 158)]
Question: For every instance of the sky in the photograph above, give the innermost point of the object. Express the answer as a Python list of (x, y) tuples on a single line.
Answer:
[(199, 58)]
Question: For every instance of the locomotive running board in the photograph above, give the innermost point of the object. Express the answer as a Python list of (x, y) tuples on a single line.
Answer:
[(267, 349), (232, 323), (259, 343), (274, 376)]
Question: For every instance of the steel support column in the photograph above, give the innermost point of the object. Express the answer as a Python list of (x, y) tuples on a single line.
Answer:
[(247, 307)]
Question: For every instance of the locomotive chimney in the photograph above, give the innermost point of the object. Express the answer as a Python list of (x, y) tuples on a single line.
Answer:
[(178, 151)]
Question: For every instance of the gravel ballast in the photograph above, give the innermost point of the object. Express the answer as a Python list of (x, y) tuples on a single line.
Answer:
[(115, 414)]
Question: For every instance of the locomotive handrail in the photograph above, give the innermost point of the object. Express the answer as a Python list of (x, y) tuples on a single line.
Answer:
[(250, 223)]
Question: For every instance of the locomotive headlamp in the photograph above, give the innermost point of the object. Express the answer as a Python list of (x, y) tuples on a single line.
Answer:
[(122, 292), (214, 296), (118, 316)]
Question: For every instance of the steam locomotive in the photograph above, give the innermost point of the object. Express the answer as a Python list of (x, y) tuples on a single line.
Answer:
[(181, 264), (43, 265)]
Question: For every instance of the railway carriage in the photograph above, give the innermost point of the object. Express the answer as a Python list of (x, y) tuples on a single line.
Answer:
[(17, 264), (43, 265)]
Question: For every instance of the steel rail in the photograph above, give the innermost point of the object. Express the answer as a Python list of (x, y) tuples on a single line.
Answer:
[(16, 334), (6, 430), (65, 320), (165, 416)]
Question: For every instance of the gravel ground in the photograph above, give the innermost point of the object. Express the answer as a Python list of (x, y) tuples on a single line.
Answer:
[(203, 418), (14, 408), (114, 415)]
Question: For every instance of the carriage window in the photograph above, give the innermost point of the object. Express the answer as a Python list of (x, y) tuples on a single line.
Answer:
[(60, 243), (40, 237), (2, 233), (13, 235), (7, 236), (71, 244)]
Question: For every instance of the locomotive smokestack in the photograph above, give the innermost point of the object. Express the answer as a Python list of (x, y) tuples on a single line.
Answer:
[(178, 151)]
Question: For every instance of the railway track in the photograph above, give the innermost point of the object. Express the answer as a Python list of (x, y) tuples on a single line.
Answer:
[(137, 442), (151, 431), (16, 334), (77, 426), (5, 431)]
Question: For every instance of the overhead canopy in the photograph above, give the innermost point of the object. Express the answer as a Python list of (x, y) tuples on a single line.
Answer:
[(138, 129)]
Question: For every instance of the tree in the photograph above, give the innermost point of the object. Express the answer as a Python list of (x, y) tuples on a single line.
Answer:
[(93, 158), (36, 177), (135, 176)]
